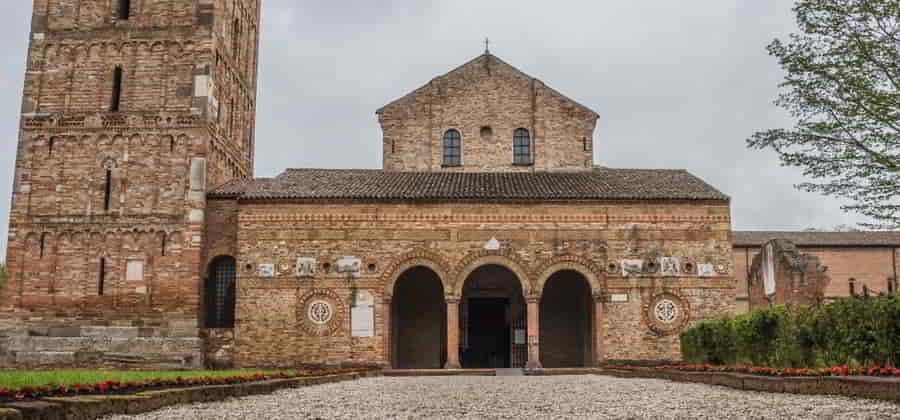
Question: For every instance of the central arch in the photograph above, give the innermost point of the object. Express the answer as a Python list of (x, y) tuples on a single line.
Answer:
[(418, 320), (492, 319)]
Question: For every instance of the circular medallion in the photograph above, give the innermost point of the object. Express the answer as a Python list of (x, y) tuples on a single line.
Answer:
[(665, 311), (320, 312)]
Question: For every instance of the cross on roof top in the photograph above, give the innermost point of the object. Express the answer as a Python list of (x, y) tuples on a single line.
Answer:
[(487, 44)]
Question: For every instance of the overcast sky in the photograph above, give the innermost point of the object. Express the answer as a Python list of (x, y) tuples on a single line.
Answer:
[(677, 84)]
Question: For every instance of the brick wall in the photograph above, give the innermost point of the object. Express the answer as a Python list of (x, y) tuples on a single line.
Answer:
[(486, 92), (870, 266), (272, 328)]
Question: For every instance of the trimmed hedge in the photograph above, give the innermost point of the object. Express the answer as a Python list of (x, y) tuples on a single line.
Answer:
[(851, 331)]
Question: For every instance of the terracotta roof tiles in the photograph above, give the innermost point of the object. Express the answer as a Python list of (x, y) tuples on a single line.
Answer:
[(356, 184)]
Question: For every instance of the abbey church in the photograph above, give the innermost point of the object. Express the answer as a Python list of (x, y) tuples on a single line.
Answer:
[(490, 239)]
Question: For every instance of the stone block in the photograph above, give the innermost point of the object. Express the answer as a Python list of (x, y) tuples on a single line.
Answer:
[(45, 358), (67, 344), (111, 332)]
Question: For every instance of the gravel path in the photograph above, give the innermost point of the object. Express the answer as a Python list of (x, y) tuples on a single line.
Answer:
[(529, 397)]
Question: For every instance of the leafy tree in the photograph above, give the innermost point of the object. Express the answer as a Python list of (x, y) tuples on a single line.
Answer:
[(841, 88)]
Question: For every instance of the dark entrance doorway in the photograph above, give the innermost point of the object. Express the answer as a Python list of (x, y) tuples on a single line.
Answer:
[(489, 333), (492, 320)]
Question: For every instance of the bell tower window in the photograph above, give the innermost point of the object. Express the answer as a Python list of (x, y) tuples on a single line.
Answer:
[(124, 9), (116, 99)]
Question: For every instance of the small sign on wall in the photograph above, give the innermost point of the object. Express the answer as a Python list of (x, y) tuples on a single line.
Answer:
[(349, 266), (632, 267), (362, 314), (706, 270), (306, 267), (618, 298), (267, 270)]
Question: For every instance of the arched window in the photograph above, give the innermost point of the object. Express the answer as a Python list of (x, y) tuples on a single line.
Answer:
[(220, 291), (452, 148), (521, 147)]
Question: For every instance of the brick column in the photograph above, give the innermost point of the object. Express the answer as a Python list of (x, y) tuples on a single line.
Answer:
[(599, 329), (534, 332), (386, 330), (452, 333)]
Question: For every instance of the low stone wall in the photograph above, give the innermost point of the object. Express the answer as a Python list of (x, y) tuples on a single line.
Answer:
[(97, 406), (174, 344), (851, 386)]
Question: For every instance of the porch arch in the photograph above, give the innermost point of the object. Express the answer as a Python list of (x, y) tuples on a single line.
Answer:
[(591, 274), (475, 262), (412, 260)]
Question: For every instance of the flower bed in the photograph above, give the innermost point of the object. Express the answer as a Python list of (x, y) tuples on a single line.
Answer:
[(117, 387), (888, 371)]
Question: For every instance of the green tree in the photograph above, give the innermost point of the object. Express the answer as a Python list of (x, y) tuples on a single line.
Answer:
[(841, 88)]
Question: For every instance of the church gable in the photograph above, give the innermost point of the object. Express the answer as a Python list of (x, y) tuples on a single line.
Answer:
[(481, 107)]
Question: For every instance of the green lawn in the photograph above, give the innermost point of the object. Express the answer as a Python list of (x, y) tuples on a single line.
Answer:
[(21, 378)]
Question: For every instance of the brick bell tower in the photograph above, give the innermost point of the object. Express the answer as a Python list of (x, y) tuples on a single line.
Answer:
[(131, 111)]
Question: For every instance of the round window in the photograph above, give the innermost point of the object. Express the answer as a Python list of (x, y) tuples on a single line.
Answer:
[(486, 132)]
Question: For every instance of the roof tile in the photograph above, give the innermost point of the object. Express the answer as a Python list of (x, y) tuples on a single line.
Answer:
[(362, 184)]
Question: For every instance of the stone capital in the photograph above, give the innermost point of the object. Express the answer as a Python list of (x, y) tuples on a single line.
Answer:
[(452, 299)]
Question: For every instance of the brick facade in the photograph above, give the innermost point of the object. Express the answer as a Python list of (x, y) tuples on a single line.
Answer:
[(536, 241), (128, 118), (486, 100), (135, 222)]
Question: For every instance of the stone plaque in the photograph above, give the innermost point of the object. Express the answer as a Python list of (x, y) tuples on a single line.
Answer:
[(134, 269), (267, 270), (706, 270), (492, 245), (669, 266), (349, 266), (632, 267), (362, 315), (618, 298), (306, 267)]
